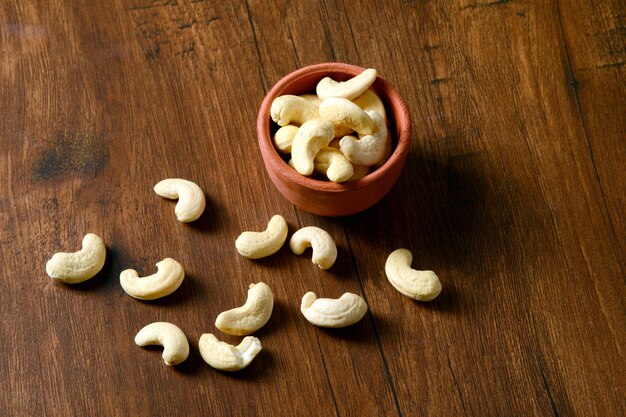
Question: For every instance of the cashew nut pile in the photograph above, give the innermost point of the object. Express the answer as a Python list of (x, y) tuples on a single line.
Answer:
[(318, 130)]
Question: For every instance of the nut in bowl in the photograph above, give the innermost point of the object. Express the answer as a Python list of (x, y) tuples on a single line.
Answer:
[(317, 194)]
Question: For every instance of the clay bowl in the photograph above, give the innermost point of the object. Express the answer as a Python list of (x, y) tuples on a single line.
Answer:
[(326, 198)]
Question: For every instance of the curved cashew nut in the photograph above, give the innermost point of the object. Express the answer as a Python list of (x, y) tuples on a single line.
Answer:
[(226, 357), (350, 89), (332, 163), (191, 201), (287, 109), (326, 312), (359, 172), (313, 99), (76, 267), (169, 276), (324, 248), (251, 316), (311, 137), (370, 149), (369, 100), (255, 245), (387, 154), (345, 113), (419, 285), (168, 335), (283, 138)]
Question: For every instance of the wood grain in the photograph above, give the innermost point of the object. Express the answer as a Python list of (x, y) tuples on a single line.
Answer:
[(513, 193)]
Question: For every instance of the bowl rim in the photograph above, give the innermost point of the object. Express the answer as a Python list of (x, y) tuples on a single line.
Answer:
[(269, 151)]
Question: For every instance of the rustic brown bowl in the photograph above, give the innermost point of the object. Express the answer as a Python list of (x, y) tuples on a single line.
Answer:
[(326, 198)]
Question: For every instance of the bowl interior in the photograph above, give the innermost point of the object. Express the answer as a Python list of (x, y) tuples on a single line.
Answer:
[(304, 81)]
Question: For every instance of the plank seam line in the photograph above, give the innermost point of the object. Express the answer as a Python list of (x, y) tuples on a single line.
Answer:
[(586, 132), (456, 384), (332, 392), (373, 323), (258, 50)]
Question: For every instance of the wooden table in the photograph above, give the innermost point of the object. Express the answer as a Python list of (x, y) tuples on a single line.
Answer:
[(514, 193)]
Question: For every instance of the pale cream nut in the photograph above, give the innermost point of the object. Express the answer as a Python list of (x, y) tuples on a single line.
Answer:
[(333, 163), (359, 172), (191, 201), (255, 245), (311, 137), (283, 138), (333, 313), (225, 357), (292, 109), (251, 316), (322, 243), (368, 149), (342, 112), (419, 285), (76, 267), (169, 276), (369, 100), (350, 89), (168, 335)]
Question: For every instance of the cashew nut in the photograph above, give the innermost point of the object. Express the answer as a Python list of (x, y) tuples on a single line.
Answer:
[(345, 113), (332, 163), (283, 138), (327, 312), (387, 154), (350, 89), (251, 316), (359, 172), (324, 248), (76, 267), (190, 197), (168, 335), (369, 149), (255, 245), (369, 100), (287, 109), (311, 137), (313, 99), (419, 285), (225, 357), (169, 276)]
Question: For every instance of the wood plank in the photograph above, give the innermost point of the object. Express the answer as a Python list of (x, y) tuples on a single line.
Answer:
[(106, 104), (353, 361), (502, 193)]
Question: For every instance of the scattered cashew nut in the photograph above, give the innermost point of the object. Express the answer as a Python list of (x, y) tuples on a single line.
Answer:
[(191, 201), (326, 312), (225, 357), (287, 109), (251, 316), (168, 335), (369, 149), (333, 163), (350, 89), (345, 113), (76, 267), (311, 137), (419, 285), (322, 243), (255, 245), (169, 276), (283, 138)]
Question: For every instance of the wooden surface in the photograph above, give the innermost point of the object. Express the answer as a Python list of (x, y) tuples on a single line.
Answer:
[(514, 193)]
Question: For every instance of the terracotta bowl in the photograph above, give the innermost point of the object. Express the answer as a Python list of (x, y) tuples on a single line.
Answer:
[(326, 198)]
